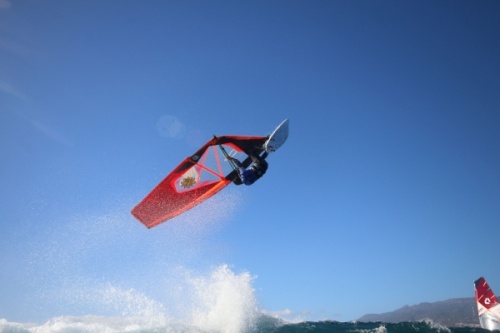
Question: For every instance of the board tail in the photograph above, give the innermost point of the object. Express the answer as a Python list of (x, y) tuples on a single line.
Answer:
[(488, 307)]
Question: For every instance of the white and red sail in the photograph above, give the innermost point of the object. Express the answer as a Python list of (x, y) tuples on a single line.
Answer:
[(488, 307)]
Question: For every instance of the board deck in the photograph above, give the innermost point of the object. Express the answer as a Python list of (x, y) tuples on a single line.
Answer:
[(277, 138)]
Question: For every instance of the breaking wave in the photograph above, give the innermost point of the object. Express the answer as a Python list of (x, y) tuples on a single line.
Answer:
[(221, 301)]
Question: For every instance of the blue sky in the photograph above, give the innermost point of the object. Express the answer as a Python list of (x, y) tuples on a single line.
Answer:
[(387, 192)]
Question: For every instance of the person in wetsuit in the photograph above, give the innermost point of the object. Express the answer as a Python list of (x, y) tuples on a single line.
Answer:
[(257, 169)]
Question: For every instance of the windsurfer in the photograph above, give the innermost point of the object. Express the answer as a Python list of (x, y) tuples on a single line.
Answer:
[(257, 169)]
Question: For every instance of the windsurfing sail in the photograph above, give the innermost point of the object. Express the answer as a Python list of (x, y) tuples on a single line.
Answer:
[(197, 178), (488, 308)]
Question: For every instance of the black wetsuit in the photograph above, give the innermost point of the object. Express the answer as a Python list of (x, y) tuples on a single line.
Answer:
[(256, 170)]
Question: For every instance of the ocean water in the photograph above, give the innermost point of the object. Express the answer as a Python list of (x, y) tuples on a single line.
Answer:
[(261, 323), (220, 301)]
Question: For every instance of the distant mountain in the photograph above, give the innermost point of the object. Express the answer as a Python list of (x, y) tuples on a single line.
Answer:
[(452, 312)]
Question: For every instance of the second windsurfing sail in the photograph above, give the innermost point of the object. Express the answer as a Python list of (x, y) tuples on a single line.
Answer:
[(488, 307)]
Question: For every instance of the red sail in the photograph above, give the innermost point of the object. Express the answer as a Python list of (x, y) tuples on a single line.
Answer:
[(195, 179), (484, 294)]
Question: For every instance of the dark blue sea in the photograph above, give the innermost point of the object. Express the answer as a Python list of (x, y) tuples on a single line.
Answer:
[(359, 327)]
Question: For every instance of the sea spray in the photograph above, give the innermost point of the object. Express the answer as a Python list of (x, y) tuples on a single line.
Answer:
[(78, 254), (107, 273), (220, 301), (225, 302), (131, 303)]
